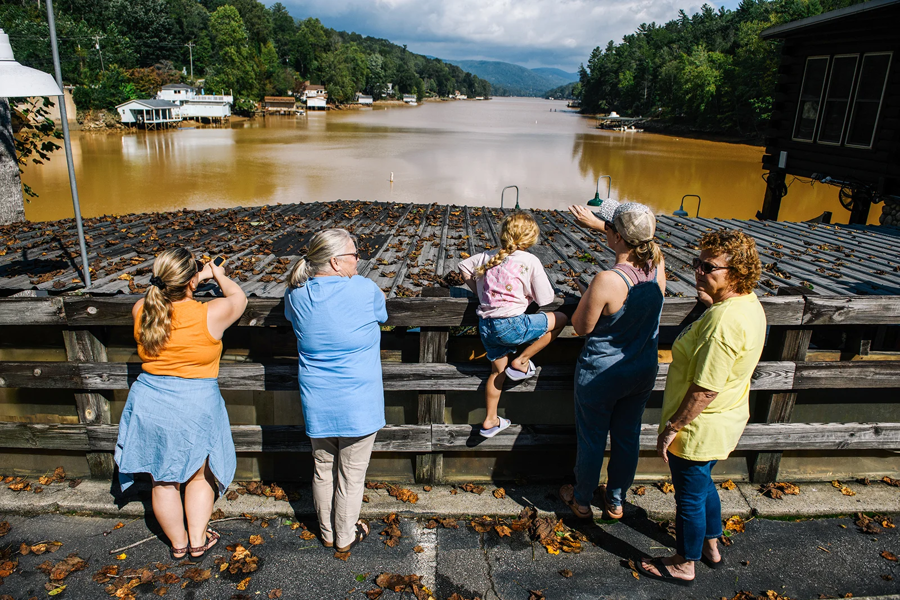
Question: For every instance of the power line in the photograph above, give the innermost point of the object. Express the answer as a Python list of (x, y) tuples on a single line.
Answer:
[(190, 46)]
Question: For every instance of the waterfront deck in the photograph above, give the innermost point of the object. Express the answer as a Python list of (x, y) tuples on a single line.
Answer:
[(408, 247)]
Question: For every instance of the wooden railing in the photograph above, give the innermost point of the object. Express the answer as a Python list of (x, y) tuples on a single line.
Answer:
[(782, 372)]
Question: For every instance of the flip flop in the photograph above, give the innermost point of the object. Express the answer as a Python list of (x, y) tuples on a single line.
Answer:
[(609, 511), (567, 495), (489, 433), (664, 574), (515, 375), (362, 531), (709, 562)]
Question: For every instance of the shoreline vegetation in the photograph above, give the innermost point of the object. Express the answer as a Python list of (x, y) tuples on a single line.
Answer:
[(708, 75)]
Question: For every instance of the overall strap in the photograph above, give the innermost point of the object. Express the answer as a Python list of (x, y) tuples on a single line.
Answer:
[(624, 277)]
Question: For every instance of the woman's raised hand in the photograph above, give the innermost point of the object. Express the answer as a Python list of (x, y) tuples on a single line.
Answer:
[(585, 217)]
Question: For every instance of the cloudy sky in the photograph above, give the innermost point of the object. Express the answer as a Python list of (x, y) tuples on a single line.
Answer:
[(532, 33)]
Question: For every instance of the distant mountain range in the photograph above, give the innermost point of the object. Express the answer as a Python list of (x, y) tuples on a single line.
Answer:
[(507, 79)]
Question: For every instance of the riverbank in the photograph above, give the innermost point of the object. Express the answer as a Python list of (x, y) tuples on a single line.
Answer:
[(680, 129)]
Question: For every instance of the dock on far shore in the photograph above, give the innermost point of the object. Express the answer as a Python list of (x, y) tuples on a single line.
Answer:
[(405, 248)]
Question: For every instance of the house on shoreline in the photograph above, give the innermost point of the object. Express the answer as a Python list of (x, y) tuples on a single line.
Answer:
[(149, 114), (198, 107)]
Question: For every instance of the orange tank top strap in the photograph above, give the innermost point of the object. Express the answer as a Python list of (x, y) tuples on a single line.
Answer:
[(191, 351)]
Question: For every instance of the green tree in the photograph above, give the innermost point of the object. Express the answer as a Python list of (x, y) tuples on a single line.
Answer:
[(234, 68)]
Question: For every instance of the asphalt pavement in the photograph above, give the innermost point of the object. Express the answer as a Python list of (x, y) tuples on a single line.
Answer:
[(798, 559)]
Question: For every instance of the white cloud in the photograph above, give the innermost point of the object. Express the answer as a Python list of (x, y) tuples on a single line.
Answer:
[(534, 33)]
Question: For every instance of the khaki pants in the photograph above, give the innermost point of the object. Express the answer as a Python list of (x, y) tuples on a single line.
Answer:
[(338, 484)]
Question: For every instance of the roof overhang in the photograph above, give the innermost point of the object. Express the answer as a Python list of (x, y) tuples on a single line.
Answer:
[(780, 31)]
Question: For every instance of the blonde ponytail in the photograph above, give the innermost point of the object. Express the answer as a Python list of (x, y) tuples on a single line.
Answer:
[(518, 231), (172, 273), (647, 252), (323, 246)]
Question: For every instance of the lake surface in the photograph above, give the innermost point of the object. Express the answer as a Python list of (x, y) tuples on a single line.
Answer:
[(461, 152)]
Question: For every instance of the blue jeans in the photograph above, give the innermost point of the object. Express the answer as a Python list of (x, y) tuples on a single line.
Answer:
[(594, 419), (698, 513)]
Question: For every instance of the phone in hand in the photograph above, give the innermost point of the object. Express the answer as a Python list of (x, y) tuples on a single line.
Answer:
[(219, 261)]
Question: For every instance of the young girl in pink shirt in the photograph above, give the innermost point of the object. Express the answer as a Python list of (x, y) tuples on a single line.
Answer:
[(506, 281)]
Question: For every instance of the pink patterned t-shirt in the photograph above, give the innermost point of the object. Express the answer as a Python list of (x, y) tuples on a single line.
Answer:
[(507, 289)]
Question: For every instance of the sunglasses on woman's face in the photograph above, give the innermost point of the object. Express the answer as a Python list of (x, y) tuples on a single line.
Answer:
[(353, 254), (706, 267)]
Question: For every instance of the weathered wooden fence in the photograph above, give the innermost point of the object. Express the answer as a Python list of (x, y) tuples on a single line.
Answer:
[(783, 371)]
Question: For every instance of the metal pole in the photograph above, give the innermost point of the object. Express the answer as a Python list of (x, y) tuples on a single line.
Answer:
[(68, 145)]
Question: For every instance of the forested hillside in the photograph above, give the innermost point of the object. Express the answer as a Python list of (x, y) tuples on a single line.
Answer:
[(710, 70), (116, 50), (507, 79)]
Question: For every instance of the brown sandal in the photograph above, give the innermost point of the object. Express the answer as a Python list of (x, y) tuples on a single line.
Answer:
[(362, 531), (212, 538), (182, 551), (609, 511), (567, 495)]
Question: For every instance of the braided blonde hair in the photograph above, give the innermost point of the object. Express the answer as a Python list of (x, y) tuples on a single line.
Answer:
[(174, 268), (518, 231)]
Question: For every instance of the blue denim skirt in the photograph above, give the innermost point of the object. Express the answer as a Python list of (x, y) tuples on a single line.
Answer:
[(170, 426), (502, 336)]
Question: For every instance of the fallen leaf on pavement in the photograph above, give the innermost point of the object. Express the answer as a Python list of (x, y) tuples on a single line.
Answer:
[(119, 525), (276, 593), (639, 490), (63, 568), (366, 498), (665, 487), (482, 524), (503, 530), (4, 528), (403, 494), (418, 549), (161, 591), (231, 495), (891, 481), (256, 540), (307, 535), (374, 594), (342, 555), (106, 573), (426, 488), (566, 573), (499, 493), (536, 595), (392, 532), (889, 556), (217, 515), (728, 485), (243, 584), (472, 488), (7, 567), (735, 524), (197, 575), (777, 490), (122, 556)]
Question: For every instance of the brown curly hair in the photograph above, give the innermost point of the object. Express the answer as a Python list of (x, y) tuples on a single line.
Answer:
[(740, 251)]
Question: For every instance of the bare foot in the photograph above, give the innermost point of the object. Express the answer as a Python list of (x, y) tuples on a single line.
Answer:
[(519, 365), (711, 550), (677, 566)]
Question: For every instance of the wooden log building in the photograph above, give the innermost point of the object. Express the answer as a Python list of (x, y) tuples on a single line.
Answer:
[(824, 395), (836, 107)]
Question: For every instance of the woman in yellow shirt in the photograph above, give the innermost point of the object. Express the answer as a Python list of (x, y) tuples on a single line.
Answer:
[(706, 402)]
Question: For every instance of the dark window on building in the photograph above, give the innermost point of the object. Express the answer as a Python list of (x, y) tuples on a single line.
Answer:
[(810, 97), (867, 103), (837, 98)]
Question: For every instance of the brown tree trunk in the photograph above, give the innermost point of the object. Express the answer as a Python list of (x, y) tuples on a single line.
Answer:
[(12, 204)]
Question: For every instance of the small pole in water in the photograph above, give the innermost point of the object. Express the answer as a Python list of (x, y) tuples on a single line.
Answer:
[(392, 177)]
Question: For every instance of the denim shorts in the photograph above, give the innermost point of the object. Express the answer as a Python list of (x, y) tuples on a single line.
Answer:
[(501, 336)]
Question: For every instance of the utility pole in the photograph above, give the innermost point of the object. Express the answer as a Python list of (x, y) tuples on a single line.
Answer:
[(97, 39), (190, 46)]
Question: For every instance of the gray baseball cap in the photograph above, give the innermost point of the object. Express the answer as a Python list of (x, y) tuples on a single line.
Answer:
[(635, 222)]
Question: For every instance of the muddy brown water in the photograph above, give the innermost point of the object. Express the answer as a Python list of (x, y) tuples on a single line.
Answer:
[(461, 152)]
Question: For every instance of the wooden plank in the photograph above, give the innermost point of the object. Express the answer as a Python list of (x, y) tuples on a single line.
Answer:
[(423, 377), (465, 438), (432, 349), (757, 436), (849, 375), (84, 345), (783, 344), (852, 310), (32, 311)]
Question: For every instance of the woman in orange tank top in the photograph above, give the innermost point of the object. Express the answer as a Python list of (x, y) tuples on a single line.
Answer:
[(174, 425)]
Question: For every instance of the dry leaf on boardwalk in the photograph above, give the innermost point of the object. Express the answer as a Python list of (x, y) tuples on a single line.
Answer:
[(639, 490), (665, 487), (735, 524), (403, 494), (777, 490), (499, 493), (728, 485), (472, 488)]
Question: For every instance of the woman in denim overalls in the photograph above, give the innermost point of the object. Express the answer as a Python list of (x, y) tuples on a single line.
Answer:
[(619, 315)]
